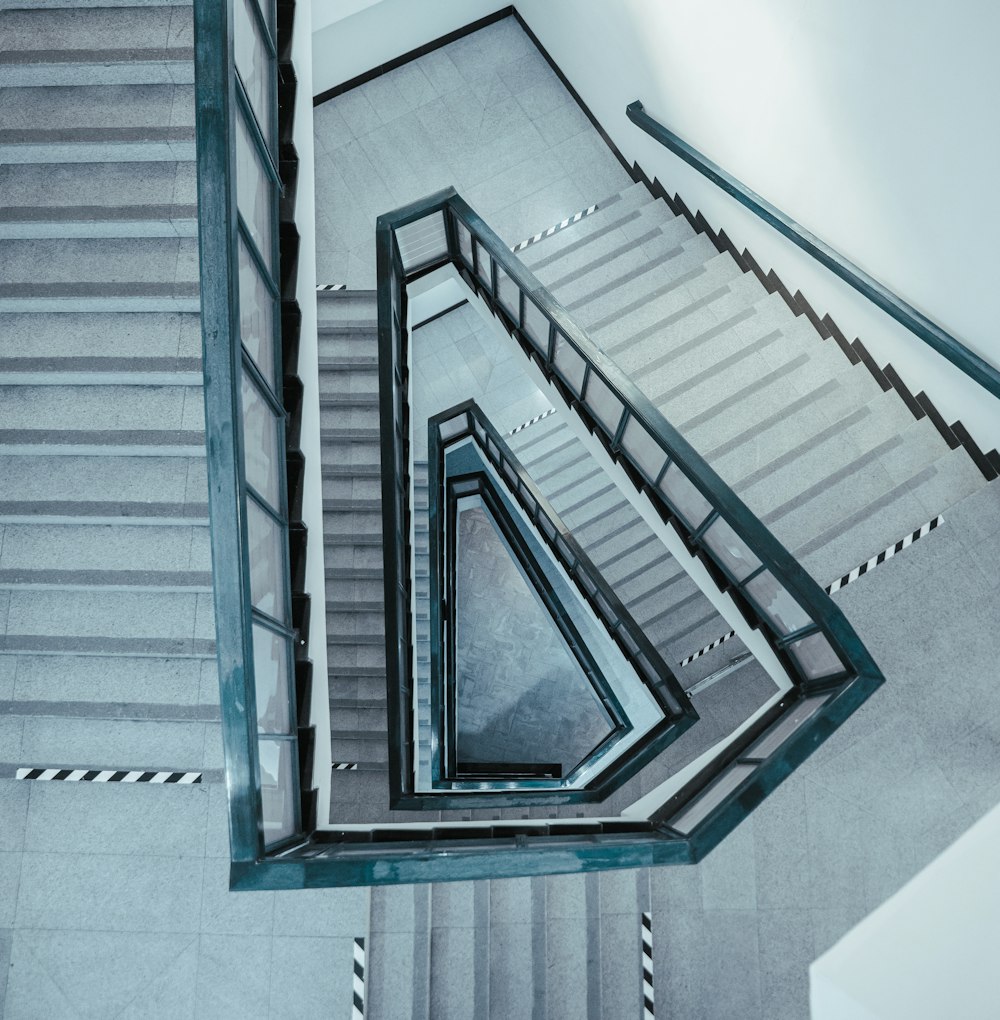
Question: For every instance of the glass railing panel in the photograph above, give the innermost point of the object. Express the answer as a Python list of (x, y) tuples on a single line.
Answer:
[(261, 432), (815, 657), (278, 786), (730, 550), (509, 296), (776, 604), (603, 404), (254, 65), (270, 664), (684, 498), (643, 450), (464, 242), (569, 364), (423, 241), (484, 268), (257, 315), (268, 579), (255, 193), (536, 327)]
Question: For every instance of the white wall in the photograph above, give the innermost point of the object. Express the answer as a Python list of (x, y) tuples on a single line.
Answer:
[(382, 31), (312, 497), (326, 12), (928, 952), (872, 124)]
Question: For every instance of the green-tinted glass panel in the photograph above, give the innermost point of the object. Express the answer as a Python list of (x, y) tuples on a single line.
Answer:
[(730, 550), (277, 789), (776, 603), (569, 364), (256, 315), (260, 444), (270, 672), (267, 562), (603, 404), (684, 497), (643, 450), (254, 64), (815, 657), (255, 193)]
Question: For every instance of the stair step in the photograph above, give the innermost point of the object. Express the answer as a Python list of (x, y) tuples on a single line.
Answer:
[(71, 47), (610, 216)]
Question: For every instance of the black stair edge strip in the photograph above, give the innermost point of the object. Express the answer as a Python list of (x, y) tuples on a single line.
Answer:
[(405, 58), (887, 377)]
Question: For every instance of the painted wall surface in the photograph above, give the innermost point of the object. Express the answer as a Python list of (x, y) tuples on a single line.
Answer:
[(326, 12), (382, 31), (312, 494), (873, 125), (928, 952)]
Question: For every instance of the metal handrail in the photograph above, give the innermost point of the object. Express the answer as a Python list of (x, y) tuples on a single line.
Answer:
[(653, 671), (823, 617), (975, 367), (676, 712)]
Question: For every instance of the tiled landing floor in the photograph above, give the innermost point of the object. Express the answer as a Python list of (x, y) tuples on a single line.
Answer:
[(484, 114), (521, 695), (458, 357)]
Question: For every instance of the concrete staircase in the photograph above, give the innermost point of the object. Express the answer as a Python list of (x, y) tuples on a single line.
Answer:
[(834, 466), (106, 617), (566, 946)]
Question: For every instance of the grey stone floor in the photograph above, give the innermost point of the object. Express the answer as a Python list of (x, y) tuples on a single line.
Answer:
[(484, 114), (522, 697), (458, 357)]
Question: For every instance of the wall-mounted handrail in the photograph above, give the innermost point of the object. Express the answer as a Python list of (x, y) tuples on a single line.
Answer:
[(978, 369)]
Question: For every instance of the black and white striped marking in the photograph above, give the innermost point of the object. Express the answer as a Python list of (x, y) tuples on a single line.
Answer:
[(849, 578), (886, 554), (534, 239), (708, 648), (110, 776), (358, 1010), (532, 421), (331, 286), (345, 766), (647, 967)]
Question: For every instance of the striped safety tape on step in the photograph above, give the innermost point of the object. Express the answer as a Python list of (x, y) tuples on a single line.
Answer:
[(345, 766), (331, 286), (533, 421), (849, 578), (109, 776), (535, 238), (886, 554), (647, 967), (358, 1008)]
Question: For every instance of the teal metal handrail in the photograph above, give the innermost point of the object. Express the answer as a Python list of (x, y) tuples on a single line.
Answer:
[(442, 230), (467, 421), (975, 367), (238, 195)]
